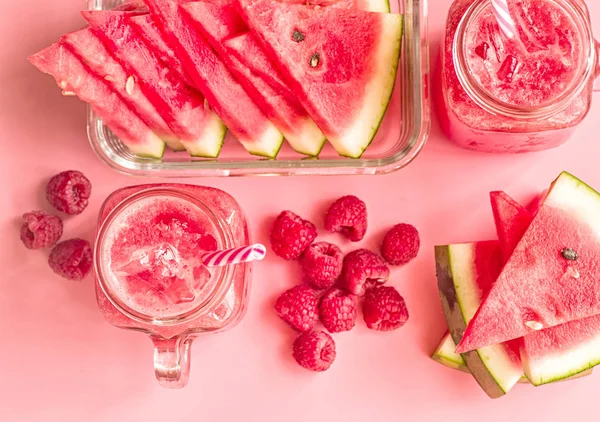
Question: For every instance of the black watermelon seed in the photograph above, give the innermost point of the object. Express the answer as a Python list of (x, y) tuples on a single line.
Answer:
[(298, 36), (569, 254), (314, 60)]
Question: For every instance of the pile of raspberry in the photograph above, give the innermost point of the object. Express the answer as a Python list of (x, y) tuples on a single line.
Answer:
[(335, 284), (69, 193)]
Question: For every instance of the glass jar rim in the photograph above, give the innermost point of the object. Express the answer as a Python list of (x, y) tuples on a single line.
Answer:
[(482, 98), (224, 274)]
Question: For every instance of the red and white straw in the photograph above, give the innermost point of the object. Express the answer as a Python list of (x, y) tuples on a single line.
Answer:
[(505, 22), (233, 256)]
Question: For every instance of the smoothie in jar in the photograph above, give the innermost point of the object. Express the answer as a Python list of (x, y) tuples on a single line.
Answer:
[(149, 271), (522, 94)]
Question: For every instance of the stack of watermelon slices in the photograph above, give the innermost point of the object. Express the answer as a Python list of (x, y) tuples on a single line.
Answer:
[(180, 73), (528, 303)]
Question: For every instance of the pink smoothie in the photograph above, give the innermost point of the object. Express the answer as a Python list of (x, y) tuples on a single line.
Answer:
[(532, 71), (154, 252), (148, 259)]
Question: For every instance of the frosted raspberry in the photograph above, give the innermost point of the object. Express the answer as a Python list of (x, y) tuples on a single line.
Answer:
[(362, 269), (347, 215), (384, 309), (69, 192), (71, 259), (40, 230), (400, 244), (322, 264), (299, 307), (314, 350), (338, 310), (291, 235)]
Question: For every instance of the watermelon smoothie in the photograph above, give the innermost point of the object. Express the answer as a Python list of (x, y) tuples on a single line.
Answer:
[(518, 95), (149, 272)]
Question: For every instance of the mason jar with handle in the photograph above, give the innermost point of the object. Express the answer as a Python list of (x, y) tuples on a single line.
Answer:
[(527, 93), (150, 275)]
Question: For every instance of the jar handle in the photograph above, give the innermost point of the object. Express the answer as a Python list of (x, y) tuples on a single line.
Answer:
[(172, 360)]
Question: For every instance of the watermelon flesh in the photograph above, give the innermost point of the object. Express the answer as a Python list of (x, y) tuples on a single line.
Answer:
[(382, 6), (90, 50), (210, 75), (220, 21), (511, 219), (342, 68), (539, 287), (73, 76), (148, 30), (200, 130)]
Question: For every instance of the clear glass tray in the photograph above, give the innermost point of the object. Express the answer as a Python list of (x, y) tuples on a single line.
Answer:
[(401, 136)]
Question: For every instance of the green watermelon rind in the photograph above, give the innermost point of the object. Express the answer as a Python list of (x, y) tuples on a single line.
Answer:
[(486, 364), (384, 89), (269, 145), (212, 140)]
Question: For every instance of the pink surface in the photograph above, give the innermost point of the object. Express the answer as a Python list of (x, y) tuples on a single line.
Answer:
[(60, 361)]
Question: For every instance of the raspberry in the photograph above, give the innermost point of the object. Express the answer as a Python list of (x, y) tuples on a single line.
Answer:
[(384, 309), (400, 244), (69, 192), (299, 307), (347, 215), (71, 259), (362, 269), (40, 230), (338, 310), (322, 264), (291, 235), (314, 350)]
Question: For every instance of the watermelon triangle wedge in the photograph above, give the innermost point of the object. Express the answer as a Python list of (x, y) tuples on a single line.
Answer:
[(200, 130), (210, 75), (552, 276), (341, 64), (73, 76), (90, 50), (218, 21), (466, 272)]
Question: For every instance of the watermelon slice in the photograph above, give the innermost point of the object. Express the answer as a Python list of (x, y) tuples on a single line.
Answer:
[(147, 28), (219, 21), (466, 272), (73, 76), (210, 75), (200, 130), (512, 220), (552, 276), (341, 64), (445, 355), (382, 6), (90, 50), (561, 352)]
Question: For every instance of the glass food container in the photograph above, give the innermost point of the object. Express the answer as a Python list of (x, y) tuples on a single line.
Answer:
[(400, 138)]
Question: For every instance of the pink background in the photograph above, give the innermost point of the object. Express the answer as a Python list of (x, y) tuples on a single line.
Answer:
[(59, 360)]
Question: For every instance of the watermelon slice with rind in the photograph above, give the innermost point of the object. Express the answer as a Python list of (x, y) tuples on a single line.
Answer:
[(200, 130), (147, 28), (219, 21), (511, 219), (552, 276), (210, 75), (341, 64), (73, 76), (382, 6), (94, 54), (445, 355), (465, 273)]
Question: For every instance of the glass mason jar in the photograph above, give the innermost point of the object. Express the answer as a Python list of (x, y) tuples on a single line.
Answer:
[(224, 293), (490, 112)]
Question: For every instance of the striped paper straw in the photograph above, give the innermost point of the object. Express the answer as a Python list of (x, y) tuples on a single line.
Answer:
[(235, 256), (505, 22)]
